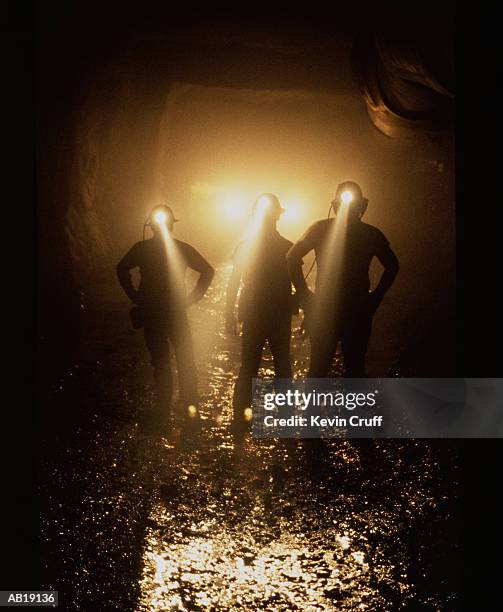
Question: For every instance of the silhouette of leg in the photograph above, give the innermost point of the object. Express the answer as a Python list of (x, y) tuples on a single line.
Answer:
[(323, 347), (252, 345), (279, 342), (163, 380), (156, 338), (181, 338), (355, 339)]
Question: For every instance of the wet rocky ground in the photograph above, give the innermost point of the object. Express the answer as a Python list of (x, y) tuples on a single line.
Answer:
[(132, 521)]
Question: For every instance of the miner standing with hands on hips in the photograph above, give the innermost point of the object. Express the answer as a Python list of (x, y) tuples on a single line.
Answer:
[(161, 307), (342, 306)]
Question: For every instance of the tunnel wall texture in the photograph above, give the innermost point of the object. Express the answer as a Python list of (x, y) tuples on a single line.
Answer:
[(100, 106), (96, 145)]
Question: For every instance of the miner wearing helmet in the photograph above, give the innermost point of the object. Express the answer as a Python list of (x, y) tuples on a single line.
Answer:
[(266, 302), (342, 306), (161, 304)]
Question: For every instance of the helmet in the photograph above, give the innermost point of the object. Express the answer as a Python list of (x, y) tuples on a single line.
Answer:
[(160, 215), (267, 201), (351, 193)]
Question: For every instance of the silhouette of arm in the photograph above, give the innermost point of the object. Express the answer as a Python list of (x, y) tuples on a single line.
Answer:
[(389, 261), (294, 262), (197, 262), (232, 293), (124, 267)]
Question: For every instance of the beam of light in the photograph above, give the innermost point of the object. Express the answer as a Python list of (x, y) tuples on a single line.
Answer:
[(329, 273), (175, 267), (256, 233), (160, 217), (254, 229), (263, 205)]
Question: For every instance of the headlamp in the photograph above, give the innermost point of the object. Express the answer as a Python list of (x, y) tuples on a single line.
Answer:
[(263, 204), (267, 202), (347, 193), (346, 197), (160, 217)]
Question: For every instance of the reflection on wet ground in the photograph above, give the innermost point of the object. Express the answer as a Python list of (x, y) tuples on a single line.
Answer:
[(146, 522)]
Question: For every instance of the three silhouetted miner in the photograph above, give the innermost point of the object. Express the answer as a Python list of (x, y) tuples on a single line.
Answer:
[(161, 295), (266, 302), (342, 306)]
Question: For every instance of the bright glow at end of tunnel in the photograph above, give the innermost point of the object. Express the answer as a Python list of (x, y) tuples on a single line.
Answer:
[(293, 212), (192, 410), (233, 206)]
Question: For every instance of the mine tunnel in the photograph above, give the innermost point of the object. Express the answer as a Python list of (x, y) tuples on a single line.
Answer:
[(197, 110), (203, 111)]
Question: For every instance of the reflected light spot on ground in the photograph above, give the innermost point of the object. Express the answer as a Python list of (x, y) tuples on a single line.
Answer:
[(224, 573)]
